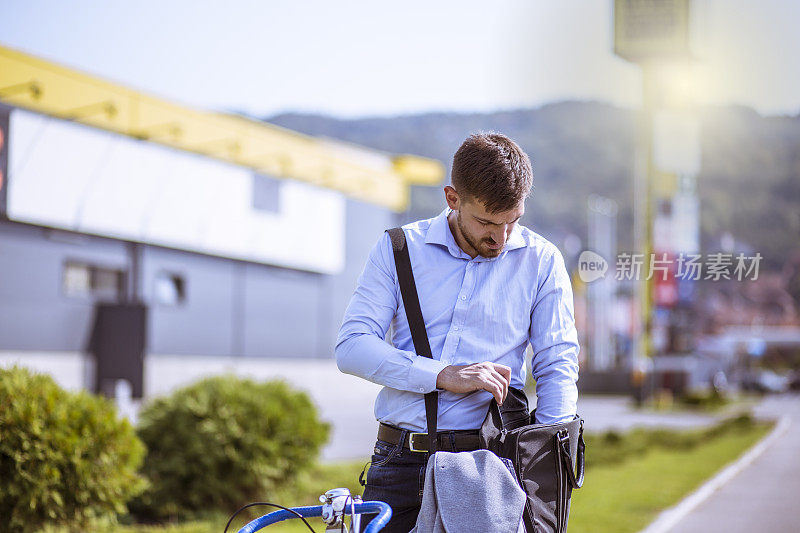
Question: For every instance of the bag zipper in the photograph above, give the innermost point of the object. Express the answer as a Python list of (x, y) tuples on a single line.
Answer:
[(528, 507)]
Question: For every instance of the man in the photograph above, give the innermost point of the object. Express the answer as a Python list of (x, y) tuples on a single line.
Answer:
[(487, 287)]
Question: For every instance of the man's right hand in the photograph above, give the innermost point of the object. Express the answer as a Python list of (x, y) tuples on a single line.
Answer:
[(492, 377)]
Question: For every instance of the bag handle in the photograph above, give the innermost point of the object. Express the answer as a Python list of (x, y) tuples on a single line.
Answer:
[(562, 444), (416, 323)]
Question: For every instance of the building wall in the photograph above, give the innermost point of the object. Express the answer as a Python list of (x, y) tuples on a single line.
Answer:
[(248, 319), (281, 316), (203, 322), (232, 309), (35, 314)]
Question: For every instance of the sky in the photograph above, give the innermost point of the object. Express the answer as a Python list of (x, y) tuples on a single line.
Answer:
[(353, 58)]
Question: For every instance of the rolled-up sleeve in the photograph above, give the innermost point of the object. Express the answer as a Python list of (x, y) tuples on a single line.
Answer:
[(361, 349), (555, 343)]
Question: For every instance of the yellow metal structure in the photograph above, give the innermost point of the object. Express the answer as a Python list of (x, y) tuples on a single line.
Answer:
[(368, 175)]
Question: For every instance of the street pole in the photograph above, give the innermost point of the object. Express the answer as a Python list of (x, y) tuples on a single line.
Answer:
[(648, 34), (643, 220)]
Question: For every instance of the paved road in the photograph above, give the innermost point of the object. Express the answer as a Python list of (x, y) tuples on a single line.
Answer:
[(763, 497)]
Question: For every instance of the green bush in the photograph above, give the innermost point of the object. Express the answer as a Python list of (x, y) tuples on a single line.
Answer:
[(65, 458), (710, 401), (223, 442)]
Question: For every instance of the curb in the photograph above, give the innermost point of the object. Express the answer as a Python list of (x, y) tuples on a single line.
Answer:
[(670, 517)]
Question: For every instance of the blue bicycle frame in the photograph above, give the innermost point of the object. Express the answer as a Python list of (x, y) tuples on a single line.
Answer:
[(377, 523)]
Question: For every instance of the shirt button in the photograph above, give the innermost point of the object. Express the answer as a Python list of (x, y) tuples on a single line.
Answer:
[(422, 389), (463, 297), (455, 328)]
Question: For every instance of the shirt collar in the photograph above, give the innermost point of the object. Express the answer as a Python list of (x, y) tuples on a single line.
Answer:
[(439, 233), (515, 240)]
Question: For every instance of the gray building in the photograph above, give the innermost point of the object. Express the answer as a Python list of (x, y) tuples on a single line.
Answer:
[(203, 313), (147, 245)]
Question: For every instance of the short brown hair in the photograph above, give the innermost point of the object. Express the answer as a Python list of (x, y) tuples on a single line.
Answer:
[(493, 169)]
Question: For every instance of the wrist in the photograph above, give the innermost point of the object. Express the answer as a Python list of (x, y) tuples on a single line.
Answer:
[(441, 378), (424, 374)]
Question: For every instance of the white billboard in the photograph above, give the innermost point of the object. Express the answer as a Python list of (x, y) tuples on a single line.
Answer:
[(77, 178)]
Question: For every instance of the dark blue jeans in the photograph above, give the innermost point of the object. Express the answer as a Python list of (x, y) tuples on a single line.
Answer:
[(396, 476)]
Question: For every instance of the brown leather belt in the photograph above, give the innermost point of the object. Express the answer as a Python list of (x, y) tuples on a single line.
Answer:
[(448, 441)]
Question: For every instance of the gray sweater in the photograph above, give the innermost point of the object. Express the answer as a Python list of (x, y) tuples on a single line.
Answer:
[(470, 492)]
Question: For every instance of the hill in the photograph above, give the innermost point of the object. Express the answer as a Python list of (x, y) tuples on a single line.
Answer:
[(749, 185)]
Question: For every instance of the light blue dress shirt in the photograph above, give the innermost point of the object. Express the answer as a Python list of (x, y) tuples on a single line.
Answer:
[(475, 310)]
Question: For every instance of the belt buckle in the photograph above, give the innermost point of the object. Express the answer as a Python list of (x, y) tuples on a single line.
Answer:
[(411, 442)]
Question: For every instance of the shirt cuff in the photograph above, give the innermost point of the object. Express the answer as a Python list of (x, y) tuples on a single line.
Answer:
[(423, 373)]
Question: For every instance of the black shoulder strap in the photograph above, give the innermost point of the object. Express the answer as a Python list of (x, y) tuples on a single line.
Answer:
[(408, 290)]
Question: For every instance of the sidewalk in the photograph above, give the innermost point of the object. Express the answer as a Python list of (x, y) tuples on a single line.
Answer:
[(762, 496)]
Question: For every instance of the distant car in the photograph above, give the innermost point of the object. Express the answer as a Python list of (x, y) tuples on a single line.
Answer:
[(765, 381), (794, 380)]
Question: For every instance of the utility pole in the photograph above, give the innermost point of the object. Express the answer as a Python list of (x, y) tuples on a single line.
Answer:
[(649, 33)]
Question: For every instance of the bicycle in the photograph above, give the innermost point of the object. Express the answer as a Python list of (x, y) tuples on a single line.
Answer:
[(335, 506)]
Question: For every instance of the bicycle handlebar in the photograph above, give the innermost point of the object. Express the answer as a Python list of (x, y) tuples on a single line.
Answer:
[(377, 523)]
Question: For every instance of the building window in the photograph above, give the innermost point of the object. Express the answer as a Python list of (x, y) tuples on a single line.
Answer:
[(84, 280), (170, 288), (266, 193)]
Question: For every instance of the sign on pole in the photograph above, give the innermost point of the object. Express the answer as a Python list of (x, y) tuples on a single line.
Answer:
[(651, 29)]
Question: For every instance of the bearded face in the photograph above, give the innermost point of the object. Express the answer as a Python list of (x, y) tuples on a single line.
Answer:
[(479, 232)]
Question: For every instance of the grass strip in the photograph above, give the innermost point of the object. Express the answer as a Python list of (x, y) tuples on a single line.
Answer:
[(625, 496)]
